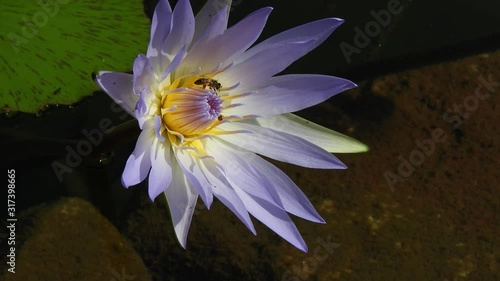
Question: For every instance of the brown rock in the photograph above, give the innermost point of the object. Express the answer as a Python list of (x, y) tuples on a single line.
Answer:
[(71, 240)]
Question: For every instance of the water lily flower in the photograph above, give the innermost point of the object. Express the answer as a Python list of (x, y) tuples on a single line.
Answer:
[(209, 104)]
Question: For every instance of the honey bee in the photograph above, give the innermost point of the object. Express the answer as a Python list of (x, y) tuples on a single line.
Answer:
[(207, 82)]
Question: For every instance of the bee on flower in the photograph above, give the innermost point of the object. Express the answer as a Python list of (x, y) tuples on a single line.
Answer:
[(206, 82), (208, 105)]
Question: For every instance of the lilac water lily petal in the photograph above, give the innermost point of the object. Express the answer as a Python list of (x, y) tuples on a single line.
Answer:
[(158, 126), (274, 218), (242, 35), (174, 63), (231, 44), (143, 74), (217, 25), (289, 93), (263, 65), (293, 199), (222, 189), (181, 200), (207, 13), (240, 174), (160, 175), (139, 162), (194, 175), (141, 108), (160, 29), (119, 86), (199, 48), (280, 146), (317, 30), (181, 33), (272, 56), (325, 138)]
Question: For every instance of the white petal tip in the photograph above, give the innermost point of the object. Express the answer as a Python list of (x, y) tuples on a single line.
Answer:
[(352, 147), (338, 20), (100, 73), (363, 148), (182, 239)]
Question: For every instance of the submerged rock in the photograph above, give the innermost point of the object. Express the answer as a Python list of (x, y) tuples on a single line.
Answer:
[(71, 240)]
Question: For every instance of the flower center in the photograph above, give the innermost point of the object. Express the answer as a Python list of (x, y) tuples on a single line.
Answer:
[(194, 109)]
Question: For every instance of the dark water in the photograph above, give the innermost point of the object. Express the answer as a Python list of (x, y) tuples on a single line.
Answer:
[(422, 204)]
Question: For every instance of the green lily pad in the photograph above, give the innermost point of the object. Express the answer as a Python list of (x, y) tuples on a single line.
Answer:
[(51, 47)]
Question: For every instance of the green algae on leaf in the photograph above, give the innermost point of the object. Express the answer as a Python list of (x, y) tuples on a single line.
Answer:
[(50, 48)]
